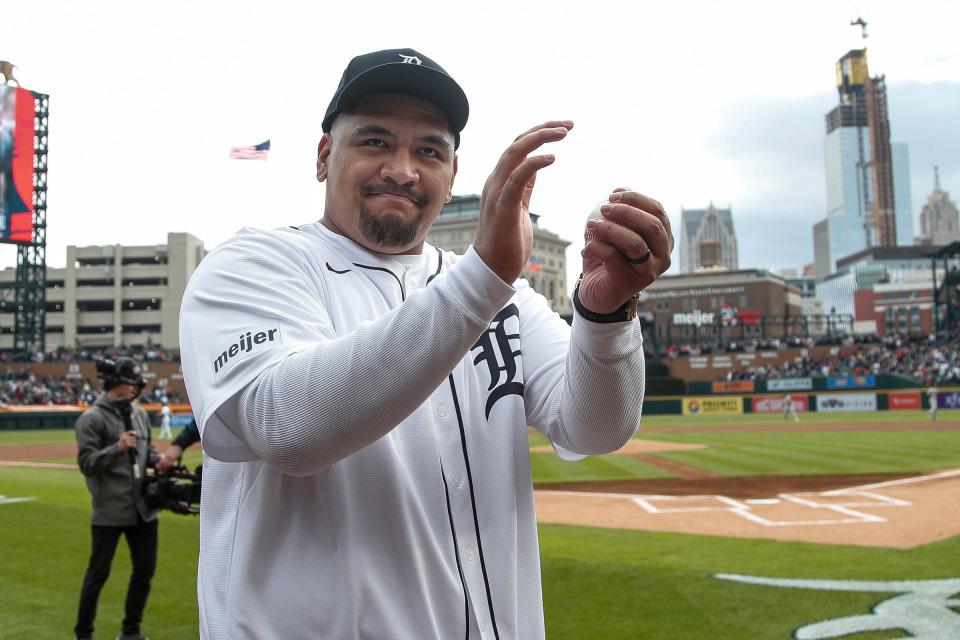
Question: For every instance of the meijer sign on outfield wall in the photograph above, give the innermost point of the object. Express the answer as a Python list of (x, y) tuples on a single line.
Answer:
[(836, 403), (790, 384), (712, 405)]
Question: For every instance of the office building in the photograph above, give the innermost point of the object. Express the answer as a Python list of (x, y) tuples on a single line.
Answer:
[(455, 230), (708, 240), (939, 219), (113, 295), (867, 175)]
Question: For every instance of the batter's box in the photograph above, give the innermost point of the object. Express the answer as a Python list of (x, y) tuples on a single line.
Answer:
[(791, 512), (852, 499), (682, 504)]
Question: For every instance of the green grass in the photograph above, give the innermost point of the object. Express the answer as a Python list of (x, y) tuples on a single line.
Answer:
[(816, 452), (548, 467), (614, 584), (602, 584), (599, 584), (945, 416), (191, 458), (732, 453), (44, 548)]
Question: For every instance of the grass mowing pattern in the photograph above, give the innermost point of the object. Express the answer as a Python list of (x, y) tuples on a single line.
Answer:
[(817, 452), (548, 467), (598, 583), (44, 549), (612, 584)]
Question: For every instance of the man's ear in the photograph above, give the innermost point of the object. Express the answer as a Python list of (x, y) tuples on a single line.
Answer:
[(323, 157), (449, 197)]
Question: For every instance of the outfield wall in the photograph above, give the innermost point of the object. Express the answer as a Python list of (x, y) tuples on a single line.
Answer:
[(34, 417)]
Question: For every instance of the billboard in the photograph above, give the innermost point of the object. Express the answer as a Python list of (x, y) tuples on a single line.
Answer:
[(900, 400), (948, 400), (790, 384), (734, 386), (841, 402), (775, 405), (712, 405), (17, 113), (851, 382)]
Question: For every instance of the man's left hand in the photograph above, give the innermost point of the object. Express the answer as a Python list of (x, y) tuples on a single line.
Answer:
[(616, 264)]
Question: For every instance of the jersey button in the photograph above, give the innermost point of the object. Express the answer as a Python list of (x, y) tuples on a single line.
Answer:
[(483, 627), (469, 554), (442, 411), (457, 481)]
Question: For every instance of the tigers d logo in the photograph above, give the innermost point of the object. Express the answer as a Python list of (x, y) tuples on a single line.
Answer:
[(924, 609)]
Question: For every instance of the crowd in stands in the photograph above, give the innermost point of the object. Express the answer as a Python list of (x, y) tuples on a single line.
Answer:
[(928, 359), (25, 388), (141, 354), (925, 359)]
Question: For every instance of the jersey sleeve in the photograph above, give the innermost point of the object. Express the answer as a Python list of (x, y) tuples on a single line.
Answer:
[(584, 385), (249, 304)]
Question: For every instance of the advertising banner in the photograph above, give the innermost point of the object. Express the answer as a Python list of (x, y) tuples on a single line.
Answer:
[(775, 405), (838, 403), (790, 384), (948, 400), (851, 382), (712, 405), (899, 400), (734, 386), (17, 112), (181, 419)]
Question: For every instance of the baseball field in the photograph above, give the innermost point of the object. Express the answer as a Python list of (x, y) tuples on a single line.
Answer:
[(737, 527)]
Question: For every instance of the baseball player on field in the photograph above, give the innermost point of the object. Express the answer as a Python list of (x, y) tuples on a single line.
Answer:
[(788, 409), (363, 396), (932, 400)]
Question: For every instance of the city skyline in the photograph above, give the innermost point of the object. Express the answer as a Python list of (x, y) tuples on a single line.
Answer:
[(711, 104)]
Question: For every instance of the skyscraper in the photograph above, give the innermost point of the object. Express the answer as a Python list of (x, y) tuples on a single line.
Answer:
[(707, 239), (939, 219), (867, 176)]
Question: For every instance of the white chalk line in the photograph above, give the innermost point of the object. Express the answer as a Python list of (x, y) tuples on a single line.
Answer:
[(656, 504), (36, 465)]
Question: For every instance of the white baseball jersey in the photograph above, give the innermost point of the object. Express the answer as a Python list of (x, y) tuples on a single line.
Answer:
[(165, 414), (364, 420)]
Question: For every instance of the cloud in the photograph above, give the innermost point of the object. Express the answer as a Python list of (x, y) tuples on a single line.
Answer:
[(775, 148)]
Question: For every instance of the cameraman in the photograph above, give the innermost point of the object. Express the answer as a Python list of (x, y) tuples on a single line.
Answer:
[(113, 452)]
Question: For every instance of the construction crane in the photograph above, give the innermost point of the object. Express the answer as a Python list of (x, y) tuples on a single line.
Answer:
[(860, 22)]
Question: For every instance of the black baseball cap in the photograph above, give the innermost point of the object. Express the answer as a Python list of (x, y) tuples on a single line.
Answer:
[(400, 71)]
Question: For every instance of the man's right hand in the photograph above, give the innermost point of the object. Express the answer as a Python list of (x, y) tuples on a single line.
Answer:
[(128, 440), (504, 233)]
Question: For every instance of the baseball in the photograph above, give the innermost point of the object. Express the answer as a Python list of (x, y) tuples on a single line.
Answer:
[(595, 215)]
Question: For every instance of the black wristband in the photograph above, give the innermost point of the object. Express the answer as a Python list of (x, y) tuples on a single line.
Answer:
[(626, 312)]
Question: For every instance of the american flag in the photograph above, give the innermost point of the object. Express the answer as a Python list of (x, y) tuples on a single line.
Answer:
[(256, 152)]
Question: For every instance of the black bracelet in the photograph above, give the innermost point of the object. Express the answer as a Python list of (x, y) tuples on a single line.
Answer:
[(626, 312)]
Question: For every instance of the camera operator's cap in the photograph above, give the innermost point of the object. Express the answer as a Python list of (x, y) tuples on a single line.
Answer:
[(400, 71)]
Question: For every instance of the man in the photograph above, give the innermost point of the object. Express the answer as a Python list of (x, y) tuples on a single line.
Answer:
[(165, 417), (932, 402), (788, 408), (364, 397), (113, 452)]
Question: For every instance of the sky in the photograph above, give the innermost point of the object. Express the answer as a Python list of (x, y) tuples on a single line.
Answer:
[(689, 102)]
